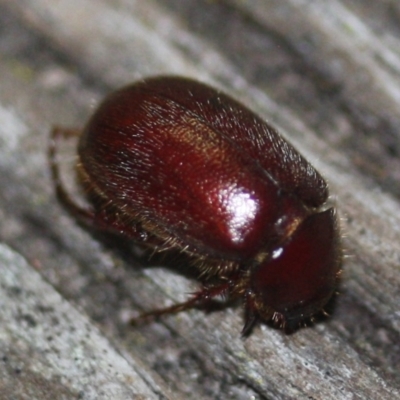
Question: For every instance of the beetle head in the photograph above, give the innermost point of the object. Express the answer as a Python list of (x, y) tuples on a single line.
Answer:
[(299, 276)]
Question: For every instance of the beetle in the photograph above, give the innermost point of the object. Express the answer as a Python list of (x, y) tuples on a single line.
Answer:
[(173, 163)]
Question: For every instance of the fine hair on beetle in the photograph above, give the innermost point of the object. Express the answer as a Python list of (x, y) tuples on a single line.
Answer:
[(178, 166)]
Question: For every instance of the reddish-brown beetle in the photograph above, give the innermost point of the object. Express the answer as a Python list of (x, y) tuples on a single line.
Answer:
[(173, 163)]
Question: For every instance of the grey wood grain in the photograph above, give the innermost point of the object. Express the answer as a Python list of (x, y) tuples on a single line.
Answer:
[(52, 351), (327, 73)]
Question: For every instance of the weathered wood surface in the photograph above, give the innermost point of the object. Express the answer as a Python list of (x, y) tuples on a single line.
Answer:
[(326, 72)]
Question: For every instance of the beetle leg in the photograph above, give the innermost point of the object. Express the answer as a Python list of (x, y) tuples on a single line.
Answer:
[(199, 299), (251, 319), (251, 315)]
